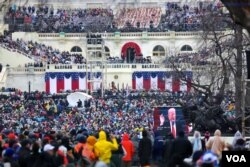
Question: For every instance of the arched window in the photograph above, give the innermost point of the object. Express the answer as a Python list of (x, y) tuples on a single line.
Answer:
[(107, 51), (185, 48), (158, 51), (76, 49)]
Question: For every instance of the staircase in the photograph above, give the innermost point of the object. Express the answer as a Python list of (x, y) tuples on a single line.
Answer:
[(13, 57)]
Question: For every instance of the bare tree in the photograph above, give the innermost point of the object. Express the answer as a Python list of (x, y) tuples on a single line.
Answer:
[(240, 12), (229, 49), (226, 48)]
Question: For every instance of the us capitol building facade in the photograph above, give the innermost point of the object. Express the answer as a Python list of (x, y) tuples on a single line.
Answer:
[(156, 46)]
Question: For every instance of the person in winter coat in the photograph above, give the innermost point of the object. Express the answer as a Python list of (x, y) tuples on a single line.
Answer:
[(167, 149), (34, 156), (24, 153), (128, 149), (103, 147), (46, 158), (8, 159), (197, 144), (158, 149), (180, 149), (216, 144), (88, 150), (205, 140), (237, 136), (145, 149), (79, 146)]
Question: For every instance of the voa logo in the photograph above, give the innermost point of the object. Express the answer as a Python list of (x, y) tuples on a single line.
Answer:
[(236, 158)]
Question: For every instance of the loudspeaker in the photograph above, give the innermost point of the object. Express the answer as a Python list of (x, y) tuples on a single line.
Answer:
[(248, 63)]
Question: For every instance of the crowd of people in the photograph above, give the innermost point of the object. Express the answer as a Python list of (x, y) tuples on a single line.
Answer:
[(45, 19), (35, 64), (175, 18), (194, 59), (139, 17), (44, 128), (41, 52), (187, 18)]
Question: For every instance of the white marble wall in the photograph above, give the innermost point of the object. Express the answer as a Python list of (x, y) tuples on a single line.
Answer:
[(172, 44), (21, 81), (14, 59)]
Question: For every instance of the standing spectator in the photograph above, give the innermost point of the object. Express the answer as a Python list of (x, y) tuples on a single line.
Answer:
[(239, 144), (135, 140), (24, 153), (181, 149), (205, 140), (46, 158), (145, 149), (79, 103), (128, 149), (103, 147), (158, 149), (8, 159), (167, 148), (79, 146), (88, 150), (237, 136), (197, 146), (216, 144), (34, 154)]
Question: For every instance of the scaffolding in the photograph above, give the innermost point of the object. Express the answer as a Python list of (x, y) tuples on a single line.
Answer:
[(95, 62)]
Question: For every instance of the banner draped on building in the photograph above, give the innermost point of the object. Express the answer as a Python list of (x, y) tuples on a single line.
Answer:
[(170, 81), (56, 82)]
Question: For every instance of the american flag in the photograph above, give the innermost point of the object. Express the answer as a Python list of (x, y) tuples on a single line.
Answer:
[(162, 80), (56, 82)]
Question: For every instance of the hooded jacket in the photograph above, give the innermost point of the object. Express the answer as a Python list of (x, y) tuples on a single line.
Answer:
[(216, 144), (128, 148), (197, 145), (237, 136), (103, 147), (89, 152)]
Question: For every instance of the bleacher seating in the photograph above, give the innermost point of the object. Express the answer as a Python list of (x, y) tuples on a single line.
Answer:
[(138, 17), (174, 18)]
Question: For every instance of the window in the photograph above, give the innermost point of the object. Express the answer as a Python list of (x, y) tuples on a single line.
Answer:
[(186, 48), (158, 51), (76, 49), (107, 51), (98, 54)]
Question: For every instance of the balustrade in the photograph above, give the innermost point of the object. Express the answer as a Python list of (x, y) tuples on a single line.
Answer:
[(127, 34)]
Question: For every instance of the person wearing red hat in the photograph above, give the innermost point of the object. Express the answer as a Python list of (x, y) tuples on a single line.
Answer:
[(11, 136)]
